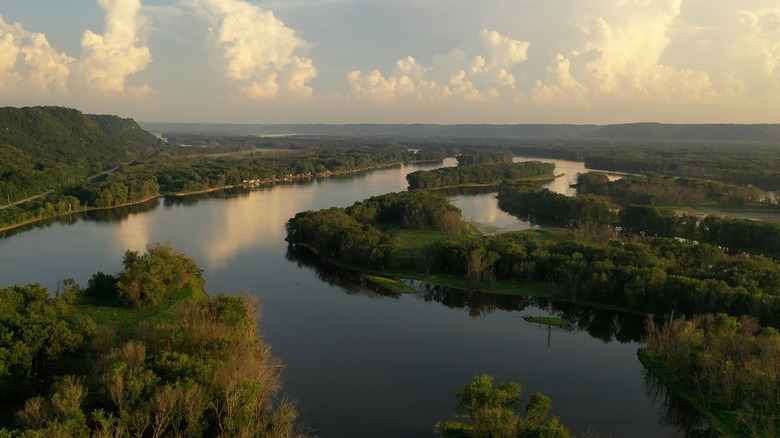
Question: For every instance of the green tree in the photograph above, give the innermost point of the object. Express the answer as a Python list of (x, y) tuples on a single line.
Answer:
[(495, 411)]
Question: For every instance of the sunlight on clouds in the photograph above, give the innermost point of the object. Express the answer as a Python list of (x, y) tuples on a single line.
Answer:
[(107, 60), (502, 51), (259, 49), (621, 58), (562, 88), (472, 79), (408, 81), (763, 37), (28, 64)]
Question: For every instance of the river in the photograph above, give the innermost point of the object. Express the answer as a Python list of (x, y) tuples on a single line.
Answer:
[(359, 361)]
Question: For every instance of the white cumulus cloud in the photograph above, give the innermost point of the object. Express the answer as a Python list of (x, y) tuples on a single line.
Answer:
[(762, 38), (107, 60), (561, 88), (28, 63), (259, 50), (486, 74), (621, 57)]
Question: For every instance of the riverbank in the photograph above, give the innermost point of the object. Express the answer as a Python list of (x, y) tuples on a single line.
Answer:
[(719, 419), (79, 210), (499, 182), (258, 183)]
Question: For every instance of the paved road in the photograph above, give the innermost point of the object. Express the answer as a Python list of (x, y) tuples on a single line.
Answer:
[(27, 199), (105, 172)]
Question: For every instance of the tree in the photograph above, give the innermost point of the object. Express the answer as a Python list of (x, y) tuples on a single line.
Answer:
[(495, 411), (479, 264)]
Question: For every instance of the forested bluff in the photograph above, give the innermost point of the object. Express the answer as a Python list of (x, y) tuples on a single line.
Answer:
[(624, 244)]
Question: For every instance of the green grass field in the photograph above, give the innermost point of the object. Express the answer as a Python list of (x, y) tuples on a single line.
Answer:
[(391, 284), (109, 311), (557, 322)]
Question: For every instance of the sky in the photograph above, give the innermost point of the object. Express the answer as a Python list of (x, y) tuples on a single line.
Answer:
[(396, 61)]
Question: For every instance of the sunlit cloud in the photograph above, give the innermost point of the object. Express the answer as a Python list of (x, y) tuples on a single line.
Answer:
[(560, 87), (453, 75), (107, 60), (619, 58), (259, 50), (28, 63), (330, 60), (762, 37)]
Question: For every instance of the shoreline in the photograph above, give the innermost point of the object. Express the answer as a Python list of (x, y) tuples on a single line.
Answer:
[(268, 181), (497, 183)]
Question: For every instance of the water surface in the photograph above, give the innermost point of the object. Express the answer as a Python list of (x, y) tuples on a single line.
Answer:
[(363, 362)]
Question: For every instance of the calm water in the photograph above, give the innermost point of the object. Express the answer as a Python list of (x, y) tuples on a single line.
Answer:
[(361, 362)]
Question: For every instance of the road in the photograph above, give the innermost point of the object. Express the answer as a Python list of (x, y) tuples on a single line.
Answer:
[(40, 195)]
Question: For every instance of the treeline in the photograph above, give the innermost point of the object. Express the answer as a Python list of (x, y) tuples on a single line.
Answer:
[(658, 276), (731, 162), (728, 365), (741, 163), (351, 234), (754, 236), (478, 174), (664, 190), (145, 178), (544, 207), (79, 365), (485, 157)]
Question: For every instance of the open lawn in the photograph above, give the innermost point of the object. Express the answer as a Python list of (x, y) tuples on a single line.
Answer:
[(391, 284), (557, 322), (109, 311)]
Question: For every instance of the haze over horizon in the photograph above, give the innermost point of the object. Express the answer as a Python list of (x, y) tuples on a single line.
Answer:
[(396, 61)]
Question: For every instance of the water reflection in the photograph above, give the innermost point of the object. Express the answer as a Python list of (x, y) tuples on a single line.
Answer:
[(350, 282), (603, 324), (117, 214), (676, 411)]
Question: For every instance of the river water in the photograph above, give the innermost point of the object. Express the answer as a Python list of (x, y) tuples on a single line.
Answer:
[(359, 361)]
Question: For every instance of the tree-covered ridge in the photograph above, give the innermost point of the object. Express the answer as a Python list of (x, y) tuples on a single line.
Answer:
[(45, 148), (82, 365), (127, 132), (478, 174)]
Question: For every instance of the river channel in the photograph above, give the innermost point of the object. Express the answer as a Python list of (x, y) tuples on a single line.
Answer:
[(359, 361)]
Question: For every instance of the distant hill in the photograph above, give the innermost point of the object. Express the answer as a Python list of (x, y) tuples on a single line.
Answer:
[(45, 147), (398, 130), (56, 135), (700, 132), (628, 131)]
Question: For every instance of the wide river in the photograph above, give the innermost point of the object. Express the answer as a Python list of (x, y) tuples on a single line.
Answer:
[(360, 362)]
